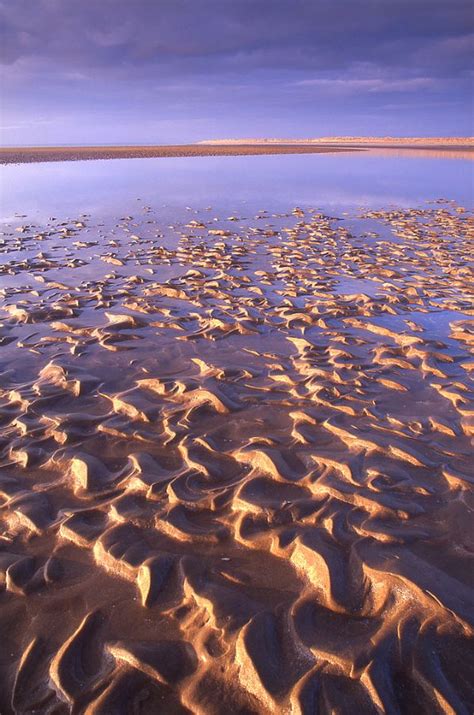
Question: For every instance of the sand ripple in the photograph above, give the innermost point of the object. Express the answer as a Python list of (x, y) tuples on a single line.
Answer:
[(236, 464)]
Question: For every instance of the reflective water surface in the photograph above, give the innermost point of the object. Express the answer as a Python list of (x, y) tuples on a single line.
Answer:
[(328, 181)]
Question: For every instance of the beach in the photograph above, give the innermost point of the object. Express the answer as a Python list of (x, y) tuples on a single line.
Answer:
[(236, 357), (236, 453)]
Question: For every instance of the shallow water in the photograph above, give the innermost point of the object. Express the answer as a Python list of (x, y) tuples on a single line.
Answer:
[(329, 181), (236, 436)]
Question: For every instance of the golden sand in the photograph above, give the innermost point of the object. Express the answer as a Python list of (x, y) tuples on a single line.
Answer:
[(236, 463), (426, 142)]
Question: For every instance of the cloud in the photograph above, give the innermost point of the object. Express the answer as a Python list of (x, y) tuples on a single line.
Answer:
[(371, 85), (234, 61), (248, 33)]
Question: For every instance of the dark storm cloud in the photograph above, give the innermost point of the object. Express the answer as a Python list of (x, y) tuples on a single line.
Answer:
[(297, 34), (86, 52)]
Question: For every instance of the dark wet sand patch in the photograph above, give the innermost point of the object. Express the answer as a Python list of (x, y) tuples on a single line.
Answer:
[(23, 155)]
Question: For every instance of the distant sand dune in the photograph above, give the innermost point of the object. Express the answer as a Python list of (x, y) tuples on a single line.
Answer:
[(366, 141)]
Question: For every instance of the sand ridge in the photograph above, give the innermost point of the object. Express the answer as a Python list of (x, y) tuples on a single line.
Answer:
[(236, 462), (26, 155)]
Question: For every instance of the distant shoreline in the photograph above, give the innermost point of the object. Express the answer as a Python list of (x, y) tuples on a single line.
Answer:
[(26, 155), (383, 142)]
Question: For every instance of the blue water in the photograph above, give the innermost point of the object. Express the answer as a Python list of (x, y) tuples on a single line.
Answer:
[(331, 182)]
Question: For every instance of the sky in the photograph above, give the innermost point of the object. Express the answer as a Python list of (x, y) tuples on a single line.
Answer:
[(177, 71)]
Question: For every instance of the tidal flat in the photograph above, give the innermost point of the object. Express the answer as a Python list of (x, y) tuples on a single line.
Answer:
[(236, 435)]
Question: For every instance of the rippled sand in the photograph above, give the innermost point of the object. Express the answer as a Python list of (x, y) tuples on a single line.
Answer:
[(236, 463)]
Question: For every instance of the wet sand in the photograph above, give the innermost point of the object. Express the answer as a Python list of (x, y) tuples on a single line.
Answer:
[(26, 155), (236, 463)]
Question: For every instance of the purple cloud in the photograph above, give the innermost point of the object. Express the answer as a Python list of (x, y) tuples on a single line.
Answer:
[(223, 65)]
